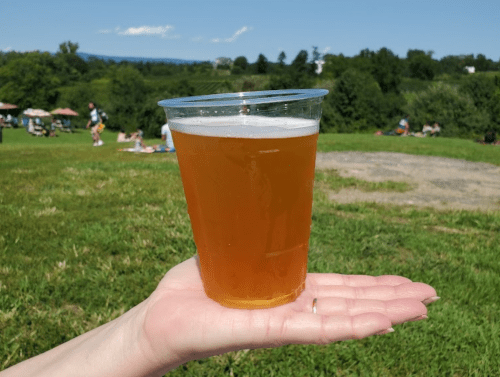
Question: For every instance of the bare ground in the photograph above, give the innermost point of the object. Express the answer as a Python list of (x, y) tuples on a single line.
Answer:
[(438, 182)]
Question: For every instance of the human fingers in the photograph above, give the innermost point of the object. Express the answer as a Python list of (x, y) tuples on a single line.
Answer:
[(309, 328), (418, 291), (355, 280), (398, 310)]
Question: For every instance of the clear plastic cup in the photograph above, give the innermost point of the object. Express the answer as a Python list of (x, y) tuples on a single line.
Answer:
[(247, 167)]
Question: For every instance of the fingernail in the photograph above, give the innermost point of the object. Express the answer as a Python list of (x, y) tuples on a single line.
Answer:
[(430, 300), (389, 330)]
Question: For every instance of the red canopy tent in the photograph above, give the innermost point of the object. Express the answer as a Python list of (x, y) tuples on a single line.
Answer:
[(7, 106), (65, 111)]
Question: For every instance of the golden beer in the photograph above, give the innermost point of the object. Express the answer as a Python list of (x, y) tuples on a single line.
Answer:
[(248, 183)]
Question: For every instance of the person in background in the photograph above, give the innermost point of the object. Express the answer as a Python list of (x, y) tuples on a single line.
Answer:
[(139, 143), (93, 123), (166, 136), (404, 126), (25, 123), (426, 129), (436, 129), (53, 126)]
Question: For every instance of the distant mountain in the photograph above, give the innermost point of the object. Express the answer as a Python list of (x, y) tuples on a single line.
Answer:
[(119, 59)]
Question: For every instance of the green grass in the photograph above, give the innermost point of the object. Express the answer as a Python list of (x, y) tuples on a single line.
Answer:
[(86, 233)]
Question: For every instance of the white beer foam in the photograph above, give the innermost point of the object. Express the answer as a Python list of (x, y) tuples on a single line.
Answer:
[(246, 126)]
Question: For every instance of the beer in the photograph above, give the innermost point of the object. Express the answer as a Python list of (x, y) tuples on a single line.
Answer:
[(248, 182)]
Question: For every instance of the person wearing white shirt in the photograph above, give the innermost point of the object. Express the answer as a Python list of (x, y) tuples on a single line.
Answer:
[(166, 136), (94, 121)]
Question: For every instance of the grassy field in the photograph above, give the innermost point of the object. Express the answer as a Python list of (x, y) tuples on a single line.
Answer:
[(86, 233)]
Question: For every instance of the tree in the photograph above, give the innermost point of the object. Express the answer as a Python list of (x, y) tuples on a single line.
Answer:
[(30, 80), (240, 65), (483, 64), (68, 47), (335, 65), (480, 88), (354, 104), (241, 62), (70, 65), (453, 108), (422, 67), (281, 59), (262, 64), (452, 65), (386, 70), (299, 64), (128, 98)]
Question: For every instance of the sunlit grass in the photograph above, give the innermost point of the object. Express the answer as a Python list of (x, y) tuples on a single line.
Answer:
[(86, 233)]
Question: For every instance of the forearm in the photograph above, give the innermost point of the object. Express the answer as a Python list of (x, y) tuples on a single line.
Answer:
[(117, 348)]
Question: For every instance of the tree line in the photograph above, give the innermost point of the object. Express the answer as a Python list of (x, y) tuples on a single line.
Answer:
[(368, 91)]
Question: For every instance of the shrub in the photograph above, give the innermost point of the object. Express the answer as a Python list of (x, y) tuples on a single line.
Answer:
[(452, 108), (354, 105)]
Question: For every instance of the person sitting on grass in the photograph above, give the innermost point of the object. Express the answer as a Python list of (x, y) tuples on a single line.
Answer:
[(166, 136), (139, 143), (436, 129), (126, 137), (403, 128), (178, 323)]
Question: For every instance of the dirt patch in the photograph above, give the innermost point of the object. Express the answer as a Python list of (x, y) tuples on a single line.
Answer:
[(439, 182)]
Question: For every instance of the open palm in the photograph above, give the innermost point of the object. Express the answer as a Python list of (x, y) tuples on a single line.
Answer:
[(183, 321)]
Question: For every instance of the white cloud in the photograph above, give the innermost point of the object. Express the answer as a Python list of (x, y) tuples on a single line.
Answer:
[(7, 49), (162, 31), (158, 31), (235, 36)]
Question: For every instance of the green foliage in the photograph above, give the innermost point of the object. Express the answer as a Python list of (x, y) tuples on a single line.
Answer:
[(422, 67), (452, 108), (335, 65), (480, 88), (127, 107), (241, 62), (262, 64), (68, 48), (42, 80), (387, 70), (282, 58), (299, 64), (354, 104), (30, 80)]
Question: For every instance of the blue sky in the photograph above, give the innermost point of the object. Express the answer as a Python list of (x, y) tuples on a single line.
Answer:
[(205, 30)]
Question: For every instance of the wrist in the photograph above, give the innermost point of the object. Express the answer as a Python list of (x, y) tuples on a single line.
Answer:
[(118, 348)]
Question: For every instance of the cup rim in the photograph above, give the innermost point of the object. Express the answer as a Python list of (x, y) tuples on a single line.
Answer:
[(244, 98)]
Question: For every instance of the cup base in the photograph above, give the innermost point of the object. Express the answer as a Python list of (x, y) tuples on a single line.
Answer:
[(259, 304)]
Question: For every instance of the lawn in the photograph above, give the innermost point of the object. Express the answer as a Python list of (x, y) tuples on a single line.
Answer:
[(86, 233)]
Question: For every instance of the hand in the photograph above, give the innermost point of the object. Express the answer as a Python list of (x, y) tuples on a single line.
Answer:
[(181, 323)]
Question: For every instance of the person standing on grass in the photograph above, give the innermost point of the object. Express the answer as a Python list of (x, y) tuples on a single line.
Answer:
[(94, 122)]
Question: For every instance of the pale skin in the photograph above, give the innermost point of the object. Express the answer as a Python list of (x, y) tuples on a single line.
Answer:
[(179, 323)]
